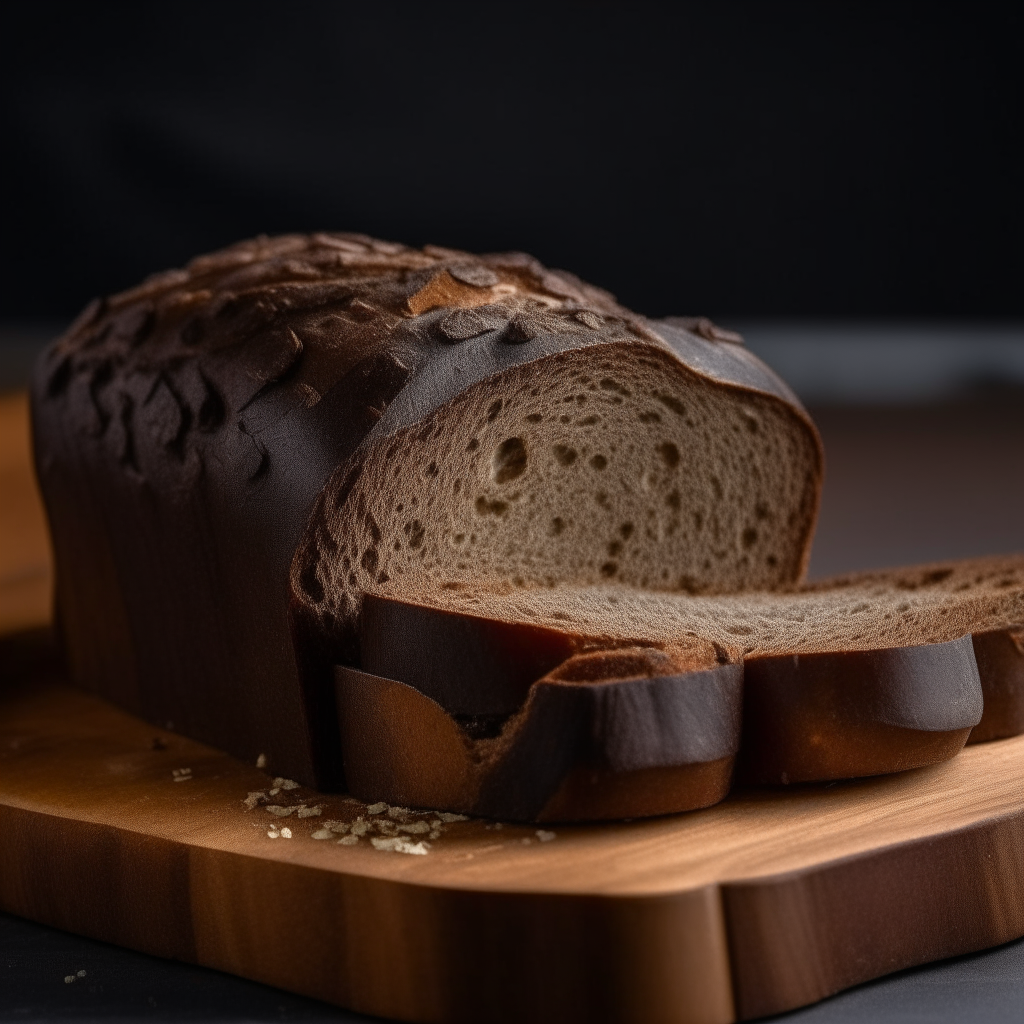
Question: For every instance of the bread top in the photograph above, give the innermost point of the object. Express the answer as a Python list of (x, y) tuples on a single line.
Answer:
[(903, 607), (267, 328)]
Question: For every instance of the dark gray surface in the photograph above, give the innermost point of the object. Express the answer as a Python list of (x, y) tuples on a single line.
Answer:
[(121, 986), (886, 362), (984, 988), (906, 484)]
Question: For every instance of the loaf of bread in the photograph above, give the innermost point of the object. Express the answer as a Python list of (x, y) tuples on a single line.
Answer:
[(234, 454), (461, 532)]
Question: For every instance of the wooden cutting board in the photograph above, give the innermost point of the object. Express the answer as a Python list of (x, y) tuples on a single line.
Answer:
[(114, 829)]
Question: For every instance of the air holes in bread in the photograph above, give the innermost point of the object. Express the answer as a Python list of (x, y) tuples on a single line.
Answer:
[(509, 460), (564, 455), (669, 454)]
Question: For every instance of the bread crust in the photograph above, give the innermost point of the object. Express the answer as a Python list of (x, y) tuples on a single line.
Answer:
[(1000, 657), (577, 750), (185, 429), (819, 717)]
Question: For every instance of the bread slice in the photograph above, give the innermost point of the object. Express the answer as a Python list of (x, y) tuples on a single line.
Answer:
[(983, 597), (231, 454), (855, 676)]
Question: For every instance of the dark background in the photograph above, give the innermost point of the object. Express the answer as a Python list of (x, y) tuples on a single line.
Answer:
[(736, 159)]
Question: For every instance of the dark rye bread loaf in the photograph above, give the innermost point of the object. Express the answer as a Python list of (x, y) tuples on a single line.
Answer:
[(860, 675), (233, 453)]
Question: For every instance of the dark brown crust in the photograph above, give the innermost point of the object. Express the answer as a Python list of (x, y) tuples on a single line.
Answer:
[(985, 599), (814, 717), (578, 751), (1000, 657), (470, 666), (400, 746), (477, 666), (184, 429)]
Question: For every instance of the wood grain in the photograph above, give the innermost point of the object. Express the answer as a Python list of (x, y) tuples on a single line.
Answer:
[(26, 577), (767, 901)]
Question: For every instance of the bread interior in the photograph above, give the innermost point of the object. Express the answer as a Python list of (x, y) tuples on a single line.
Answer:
[(614, 465)]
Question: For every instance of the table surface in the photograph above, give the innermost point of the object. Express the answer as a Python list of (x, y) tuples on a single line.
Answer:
[(904, 484)]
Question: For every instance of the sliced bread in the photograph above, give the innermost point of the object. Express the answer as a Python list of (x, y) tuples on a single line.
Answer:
[(855, 676)]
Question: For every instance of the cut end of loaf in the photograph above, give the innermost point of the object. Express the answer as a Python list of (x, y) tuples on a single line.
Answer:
[(615, 464)]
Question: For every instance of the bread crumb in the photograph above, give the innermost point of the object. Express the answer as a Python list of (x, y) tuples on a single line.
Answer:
[(181, 774), (448, 816), (81, 974), (397, 844), (544, 836), (415, 827), (261, 761), (495, 825), (278, 811), (377, 808), (68, 978), (285, 784), (254, 799), (389, 828)]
